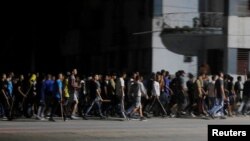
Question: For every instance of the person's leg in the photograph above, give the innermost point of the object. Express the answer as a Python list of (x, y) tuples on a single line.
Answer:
[(89, 108), (122, 107), (40, 111), (151, 105), (215, 108), (75, 105), (54, 108), (99, 106), (66, 113), (221, 107), (161, 107), (247, 106)]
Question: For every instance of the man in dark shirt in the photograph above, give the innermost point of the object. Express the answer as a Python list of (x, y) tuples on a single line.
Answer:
[(95, 96), (220, 97), (246, 95), (20, 94)]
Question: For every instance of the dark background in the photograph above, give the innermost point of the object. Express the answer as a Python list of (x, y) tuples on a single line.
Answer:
[(48, 36)]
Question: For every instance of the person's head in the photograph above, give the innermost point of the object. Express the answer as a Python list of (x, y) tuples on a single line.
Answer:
[(163, 72), (200, 76), (158, 77), (220, 74), (226, 76), (123, 74), (182, 73), (74, 71), (214, 77), (134, 75), (248, 75), (167, 73), (106, 77), (4, 76), (9, 78), (137, 78), (60, 76), (96, 77), (33, 77), (68, 74), (113, 75), (21, 77), (190, 76), (239, 78), (231, 79), (49, 76), (152, 76)]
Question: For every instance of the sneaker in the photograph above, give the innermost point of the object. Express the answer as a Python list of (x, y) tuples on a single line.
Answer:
[(172, 115), (192, 115), (164, 116), (102, 117), (65, 118), (85, 117), (211, 115), (143, 119), (146, 115), (223, 117), (183, 113), (51, 119), (73, 117), (38, 118), (42, 118)]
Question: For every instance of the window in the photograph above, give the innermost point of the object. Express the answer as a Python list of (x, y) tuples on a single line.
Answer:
[(158, 8), (242, 61), (248, 4), (188, 59)]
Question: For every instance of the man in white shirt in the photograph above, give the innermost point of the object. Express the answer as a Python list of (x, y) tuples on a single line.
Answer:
[(137, 90), (120, 87), (156, 95)]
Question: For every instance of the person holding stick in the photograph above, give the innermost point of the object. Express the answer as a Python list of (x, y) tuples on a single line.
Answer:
[(95, 97)]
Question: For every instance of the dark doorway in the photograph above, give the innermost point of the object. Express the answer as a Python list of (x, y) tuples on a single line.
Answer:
[(215, 60)]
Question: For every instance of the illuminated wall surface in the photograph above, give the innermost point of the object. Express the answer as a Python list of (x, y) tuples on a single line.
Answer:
[(220, 40)]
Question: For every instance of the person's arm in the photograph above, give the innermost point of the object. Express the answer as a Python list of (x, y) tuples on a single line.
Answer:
[(182, 85), (20, 91), (203, 91), (222, 91), (143, 90), (170, 90), (199, 88), (123, 87), (60, 91), (154, 89), (5, 96), (73, 82), (106, 89), (98, 94)]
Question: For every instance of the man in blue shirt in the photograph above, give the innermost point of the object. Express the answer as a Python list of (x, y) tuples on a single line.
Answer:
[(57, 95)]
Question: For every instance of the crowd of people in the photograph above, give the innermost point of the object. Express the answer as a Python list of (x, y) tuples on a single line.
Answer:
[(70, 96)]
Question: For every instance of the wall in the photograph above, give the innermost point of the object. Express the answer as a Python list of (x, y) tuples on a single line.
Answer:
[(238, 32), (162, 58)]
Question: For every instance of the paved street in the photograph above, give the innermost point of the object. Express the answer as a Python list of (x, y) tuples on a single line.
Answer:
[(158, 129)]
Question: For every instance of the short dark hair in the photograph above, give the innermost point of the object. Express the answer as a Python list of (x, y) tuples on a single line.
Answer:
[(239, 78), (248, 75), (190, 75)]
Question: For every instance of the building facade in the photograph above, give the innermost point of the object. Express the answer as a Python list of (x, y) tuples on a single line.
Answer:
[(218, 35)]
